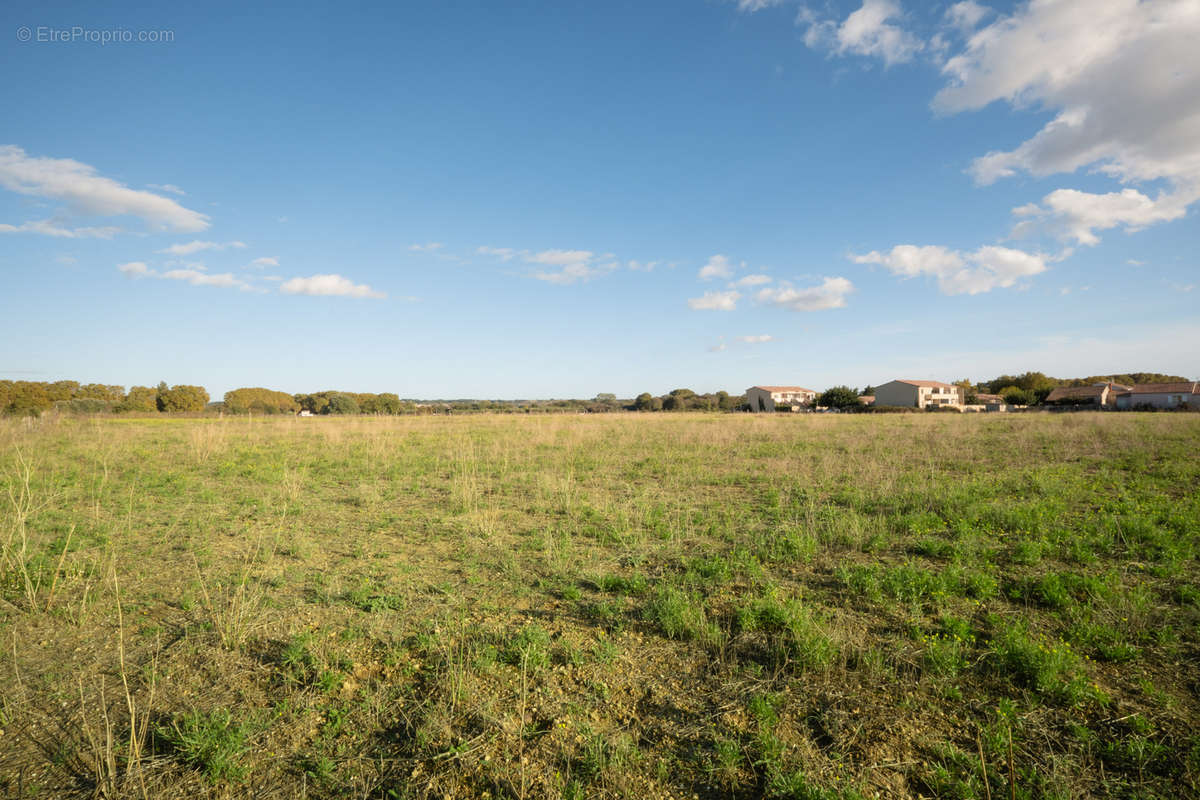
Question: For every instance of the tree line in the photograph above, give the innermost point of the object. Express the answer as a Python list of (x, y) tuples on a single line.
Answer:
[(31, 398)]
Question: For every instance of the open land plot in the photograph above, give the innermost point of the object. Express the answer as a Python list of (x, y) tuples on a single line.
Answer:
[(601, 606)]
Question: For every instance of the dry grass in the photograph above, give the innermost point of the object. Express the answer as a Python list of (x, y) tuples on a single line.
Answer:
[(658, 605)]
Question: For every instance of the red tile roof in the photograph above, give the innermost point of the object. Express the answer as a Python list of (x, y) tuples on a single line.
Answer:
[(783, 389), (1075, 392), (1191, 387)]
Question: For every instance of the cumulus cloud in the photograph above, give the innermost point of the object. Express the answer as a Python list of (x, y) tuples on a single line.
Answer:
[(197, 246), (428, 247), (1123, 83), (166, 187), (328, 285), (265, 261), (869, 31), (194, 275), (715, 301), (642, 266), (717, 267), (756, 339), (989, 267), (1072, 214), (85, 193), (753, 280), (830, 294)]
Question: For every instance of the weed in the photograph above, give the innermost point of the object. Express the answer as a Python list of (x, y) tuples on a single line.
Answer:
[(212, 742)]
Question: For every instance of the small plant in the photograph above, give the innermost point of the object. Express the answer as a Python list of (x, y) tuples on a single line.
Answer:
[(211, 742), (790, 629), (680, 615), (296, 660), (725, 765), (530, 648), (1038, 662), (622, 585)]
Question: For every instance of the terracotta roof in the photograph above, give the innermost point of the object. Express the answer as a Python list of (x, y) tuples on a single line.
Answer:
[(1191, 387), (989, 398), (925, 383), (1075, 392), (783, 389)]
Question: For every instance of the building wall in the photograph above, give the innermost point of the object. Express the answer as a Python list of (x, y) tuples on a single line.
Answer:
[(895, 393), (1157, 400)]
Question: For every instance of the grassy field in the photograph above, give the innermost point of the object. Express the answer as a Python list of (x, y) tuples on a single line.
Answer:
[(601, 606)]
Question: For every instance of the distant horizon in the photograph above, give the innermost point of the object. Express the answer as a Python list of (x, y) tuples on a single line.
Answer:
[(216, 397)]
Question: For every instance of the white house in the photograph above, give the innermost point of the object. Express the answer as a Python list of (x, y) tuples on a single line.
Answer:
[(918, 394), (764, 398), (1160, 395)]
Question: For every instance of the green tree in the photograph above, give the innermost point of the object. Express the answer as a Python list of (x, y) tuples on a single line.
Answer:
[(341, 403), (644, 402), (140, 398), (181, 398), (839, 397), (257, 400), (1016, 396), (111, 396)]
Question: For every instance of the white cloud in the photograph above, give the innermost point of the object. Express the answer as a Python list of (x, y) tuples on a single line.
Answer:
[(502, 253), (869, 31), (265, 261), (569, 266), (753, 280), (756, 339), (225, 280), (1071, 214), (166, 187), (830, 294), (67, 260), (989, 267), (715, 301), (717, 267), (49, 227), (642, 266), (428, 247), (967, 15), (328, 285), (1133, 262), (194, 276), (719, 347), (1121, 77), (135, 269), (197, 246), (84, 193), (560, 258), (756, 5)]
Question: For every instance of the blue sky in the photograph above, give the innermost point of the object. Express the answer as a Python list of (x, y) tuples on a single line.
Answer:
[(558, 199)]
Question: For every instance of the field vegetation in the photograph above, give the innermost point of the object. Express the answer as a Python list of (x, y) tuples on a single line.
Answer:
[(671, 605)]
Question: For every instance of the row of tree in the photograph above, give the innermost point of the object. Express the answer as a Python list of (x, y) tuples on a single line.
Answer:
[(33, 397)]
